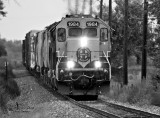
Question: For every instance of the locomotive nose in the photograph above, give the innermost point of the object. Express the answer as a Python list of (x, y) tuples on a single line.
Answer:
[(84, 81)]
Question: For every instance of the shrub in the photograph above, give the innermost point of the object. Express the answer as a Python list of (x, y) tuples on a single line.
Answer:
[(8, 90), (136, 94), (8, 87), (156, 93)]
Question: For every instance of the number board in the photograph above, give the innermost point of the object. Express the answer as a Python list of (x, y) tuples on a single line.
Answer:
[(73, 24), (92, 24)]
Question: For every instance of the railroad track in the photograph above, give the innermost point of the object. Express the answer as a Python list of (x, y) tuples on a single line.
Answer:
[(132, 110), (120, 111), (90, 109), (103, 108)]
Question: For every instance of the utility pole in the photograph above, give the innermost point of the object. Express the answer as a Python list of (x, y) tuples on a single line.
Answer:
[(144, 47), (110, 13), (110, 20), (101, 10), (125, 63)]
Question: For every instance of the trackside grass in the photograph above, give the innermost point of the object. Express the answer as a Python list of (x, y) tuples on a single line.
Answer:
[(138, 92), (9, 89)]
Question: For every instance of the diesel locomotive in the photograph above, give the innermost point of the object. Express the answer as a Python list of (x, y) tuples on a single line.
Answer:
[(71, 55)]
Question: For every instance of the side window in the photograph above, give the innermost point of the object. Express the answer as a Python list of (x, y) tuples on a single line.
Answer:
[(61, 36), (104, 34)]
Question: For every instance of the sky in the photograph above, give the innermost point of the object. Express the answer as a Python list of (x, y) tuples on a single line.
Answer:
[(25, 15)]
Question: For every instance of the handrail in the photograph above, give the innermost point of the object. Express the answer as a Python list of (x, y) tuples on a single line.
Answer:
[(108, 63), (59, 59)]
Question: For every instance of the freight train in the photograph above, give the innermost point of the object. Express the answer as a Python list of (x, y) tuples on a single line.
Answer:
[(72, 55)]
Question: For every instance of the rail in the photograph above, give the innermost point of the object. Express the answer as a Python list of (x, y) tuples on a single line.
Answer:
[(140, 112)]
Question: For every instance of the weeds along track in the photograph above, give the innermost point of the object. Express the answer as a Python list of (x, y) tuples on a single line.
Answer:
[(120, 111)]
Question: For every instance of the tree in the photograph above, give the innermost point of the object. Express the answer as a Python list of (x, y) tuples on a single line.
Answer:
[(154, 8), (135, 12), (2, 13), (3, 51)]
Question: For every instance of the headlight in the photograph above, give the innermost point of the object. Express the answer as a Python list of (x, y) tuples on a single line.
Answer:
[(70, 64), (97, 64), (83, 42)]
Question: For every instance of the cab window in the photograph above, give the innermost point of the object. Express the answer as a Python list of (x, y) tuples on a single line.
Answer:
[(90, 32), (61, 36), (104, 34), (75, 32)]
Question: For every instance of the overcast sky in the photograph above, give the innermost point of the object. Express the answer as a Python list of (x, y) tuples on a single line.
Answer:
[(30, 14)]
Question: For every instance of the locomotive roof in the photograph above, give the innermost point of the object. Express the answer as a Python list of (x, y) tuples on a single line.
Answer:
[(53, 25), (79, 16)]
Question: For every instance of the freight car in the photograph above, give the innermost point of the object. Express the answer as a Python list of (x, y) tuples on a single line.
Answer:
[(72, 55), (29, 50)]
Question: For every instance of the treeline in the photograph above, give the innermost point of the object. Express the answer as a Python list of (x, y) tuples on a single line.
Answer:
[(11, 51)]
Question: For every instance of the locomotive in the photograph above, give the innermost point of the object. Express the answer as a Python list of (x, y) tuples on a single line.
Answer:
[(71, 55)]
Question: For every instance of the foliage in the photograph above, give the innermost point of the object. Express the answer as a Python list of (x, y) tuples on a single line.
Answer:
[(140, 94), (3, 51), (8, 87), (135, 11), (9, 91), (154, 8), (9, 69), (13, 51), (2, 13)]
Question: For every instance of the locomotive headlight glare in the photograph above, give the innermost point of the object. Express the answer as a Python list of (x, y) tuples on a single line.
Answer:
[(97, 64), (70, 64), (83, 42)]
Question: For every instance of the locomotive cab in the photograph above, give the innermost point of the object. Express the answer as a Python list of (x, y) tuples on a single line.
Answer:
[(82, 51)]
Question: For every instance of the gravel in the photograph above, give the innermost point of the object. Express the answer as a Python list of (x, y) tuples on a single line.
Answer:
[(37, 102), (146, 108)]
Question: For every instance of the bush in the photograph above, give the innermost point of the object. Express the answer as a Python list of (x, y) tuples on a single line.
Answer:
[(156, 93), (10, 73), (8, 87), (8, 90), (136, 94), (155, 99)]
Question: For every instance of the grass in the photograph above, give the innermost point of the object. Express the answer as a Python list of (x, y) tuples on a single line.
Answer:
[(8, 87), (137, 91), (135, 94)]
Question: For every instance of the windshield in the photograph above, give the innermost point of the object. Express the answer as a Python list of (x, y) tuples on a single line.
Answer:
[(90, 32), (75, 32)]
